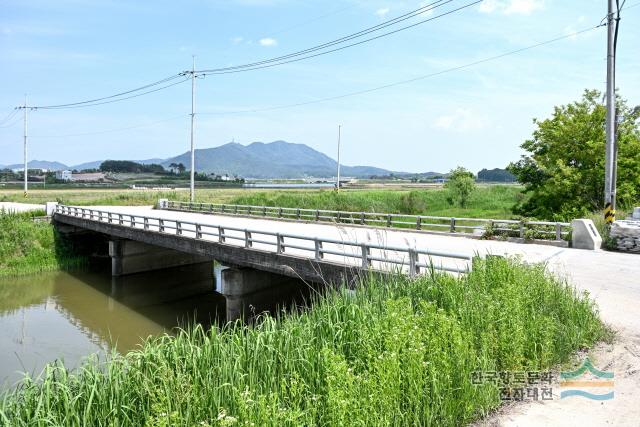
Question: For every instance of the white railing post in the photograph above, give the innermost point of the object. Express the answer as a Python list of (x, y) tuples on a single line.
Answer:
[(414, 270), (247, 239), (419, 223), (120, 220), (178, 228), (558, 231), (317, 215), (318, 249), (522, 229), (161, 225), (452, 228), (366, 252), (389, 220), (146, 223), (279, 243), (221, 238), (198, 231)]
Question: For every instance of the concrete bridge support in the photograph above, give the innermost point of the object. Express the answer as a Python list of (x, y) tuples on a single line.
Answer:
[(247, 288), (131, 257)]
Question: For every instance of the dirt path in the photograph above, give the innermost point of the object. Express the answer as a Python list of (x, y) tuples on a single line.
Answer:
[(615, 286)]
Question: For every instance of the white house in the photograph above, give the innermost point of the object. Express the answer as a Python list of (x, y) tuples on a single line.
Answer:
[(64, 175)]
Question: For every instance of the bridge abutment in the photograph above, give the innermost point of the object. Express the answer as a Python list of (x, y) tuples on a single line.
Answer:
[(131, 257)]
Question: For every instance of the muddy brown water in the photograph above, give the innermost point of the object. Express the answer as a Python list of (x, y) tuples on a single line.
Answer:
[(68, 316)]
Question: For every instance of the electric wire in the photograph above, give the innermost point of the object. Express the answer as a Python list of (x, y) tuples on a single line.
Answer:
[(112, 100), (285, 59), (402, 82), (15, 122), (9, 116), (96, 101)]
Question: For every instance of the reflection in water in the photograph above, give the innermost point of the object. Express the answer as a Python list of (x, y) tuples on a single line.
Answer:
[(68, 316)]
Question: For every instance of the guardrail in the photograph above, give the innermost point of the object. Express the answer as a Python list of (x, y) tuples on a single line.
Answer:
[(367, 256), (510, 228)]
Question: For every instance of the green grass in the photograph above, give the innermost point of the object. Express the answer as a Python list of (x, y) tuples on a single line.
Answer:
[(395, 352), (28, 247), (486, 202)]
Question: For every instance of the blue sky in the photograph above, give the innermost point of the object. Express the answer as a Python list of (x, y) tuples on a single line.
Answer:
[(62, 51)]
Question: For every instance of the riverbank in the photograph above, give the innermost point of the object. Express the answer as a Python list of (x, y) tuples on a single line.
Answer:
[(28, 247), (392, 353)]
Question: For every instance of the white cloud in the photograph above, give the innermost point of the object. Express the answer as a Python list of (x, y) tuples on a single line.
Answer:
[(382, 12), (268, 42), (461, 120), (237, 40), (511, 7)]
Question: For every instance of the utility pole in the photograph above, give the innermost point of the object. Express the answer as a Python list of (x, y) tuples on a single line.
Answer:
[(26, 169), (192, 192), (338, 173), (610, 151)]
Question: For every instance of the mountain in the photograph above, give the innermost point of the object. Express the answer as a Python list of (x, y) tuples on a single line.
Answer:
[(277, 159), (39, 164)]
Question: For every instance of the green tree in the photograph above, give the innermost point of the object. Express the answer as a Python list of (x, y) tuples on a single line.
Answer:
[(563, 170), (460, 186)]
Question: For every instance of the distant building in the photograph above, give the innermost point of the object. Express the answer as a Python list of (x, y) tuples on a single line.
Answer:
[(64, 175), (88, 177)]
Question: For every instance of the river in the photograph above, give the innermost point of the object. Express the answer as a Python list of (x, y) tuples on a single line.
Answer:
[(70, 315)]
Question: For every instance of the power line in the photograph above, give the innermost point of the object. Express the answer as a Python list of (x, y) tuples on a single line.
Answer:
[(286, 58), (15, 122), (9, 116), (97, 101), (402, 82)]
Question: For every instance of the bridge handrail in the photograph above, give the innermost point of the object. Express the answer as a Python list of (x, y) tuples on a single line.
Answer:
[(559, 230), (410, 256)]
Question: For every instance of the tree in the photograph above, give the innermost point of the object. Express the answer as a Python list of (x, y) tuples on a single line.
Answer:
[(563, 170), (181, 168), (460, 186), (496, 175)]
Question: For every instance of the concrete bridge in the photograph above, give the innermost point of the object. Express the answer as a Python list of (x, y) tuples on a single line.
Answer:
[(260, 251)]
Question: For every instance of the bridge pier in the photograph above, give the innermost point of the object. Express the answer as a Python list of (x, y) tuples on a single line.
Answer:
[(245, 288), (131, 257)]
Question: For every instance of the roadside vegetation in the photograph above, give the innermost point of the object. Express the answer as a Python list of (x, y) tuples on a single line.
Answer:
[(563, 168), (394, 352), (28, 247), (485, 202)]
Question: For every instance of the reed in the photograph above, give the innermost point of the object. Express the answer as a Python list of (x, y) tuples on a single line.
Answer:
[(394, 352)]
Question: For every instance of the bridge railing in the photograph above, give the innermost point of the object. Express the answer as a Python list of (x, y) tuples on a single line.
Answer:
[(489, 227), (368, 256)]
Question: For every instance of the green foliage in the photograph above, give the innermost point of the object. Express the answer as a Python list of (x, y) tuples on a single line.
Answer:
[(488, 202), (126, 166), (460, 186), (496, 175), (28, 247), (392, 353), (563, 171)]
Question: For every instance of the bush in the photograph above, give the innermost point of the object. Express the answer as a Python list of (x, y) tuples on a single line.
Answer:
[(460, 186)]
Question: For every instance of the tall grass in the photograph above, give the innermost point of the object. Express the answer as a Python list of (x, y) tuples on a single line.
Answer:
[(28, 247), (395, 352), (486, 202)]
